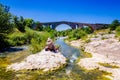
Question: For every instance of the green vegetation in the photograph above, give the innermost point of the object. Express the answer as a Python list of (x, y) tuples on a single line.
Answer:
[(5, 25), (77, 74), (35, 39), (75, 34), (16, 31), (38, 41), (109, 65), (16, 38), (79, 33), (95, 74), (102, 31), (118, 31), (5, 75), (114, 24), (19, 23), (85, 55)]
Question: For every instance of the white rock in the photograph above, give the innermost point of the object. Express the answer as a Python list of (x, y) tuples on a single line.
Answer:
[(44, 60)]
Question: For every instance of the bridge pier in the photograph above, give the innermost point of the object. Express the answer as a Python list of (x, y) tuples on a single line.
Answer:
[(53, 26), (80, 25)]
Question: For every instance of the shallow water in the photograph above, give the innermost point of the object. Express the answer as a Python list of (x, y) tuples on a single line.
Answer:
[(70, 72)]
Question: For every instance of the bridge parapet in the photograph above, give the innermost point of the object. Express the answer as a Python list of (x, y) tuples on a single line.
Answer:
[(75, 25)]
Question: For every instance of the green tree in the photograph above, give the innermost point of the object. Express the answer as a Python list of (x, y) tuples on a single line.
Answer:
[(38, 26), (47, 28), (19, 23), (114, 24), (29, 23), (5, 25), (87, 29)]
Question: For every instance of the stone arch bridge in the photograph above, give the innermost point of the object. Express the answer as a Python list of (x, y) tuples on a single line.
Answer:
[(75, 25)]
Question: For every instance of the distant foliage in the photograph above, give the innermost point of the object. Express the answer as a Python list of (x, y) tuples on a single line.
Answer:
[(88, 29), (74, 34), (38, 26), (114, 25), (77, 34), (47, 28), (64, 33)]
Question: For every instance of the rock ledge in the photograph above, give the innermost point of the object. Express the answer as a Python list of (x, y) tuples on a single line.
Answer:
[(44, 60)]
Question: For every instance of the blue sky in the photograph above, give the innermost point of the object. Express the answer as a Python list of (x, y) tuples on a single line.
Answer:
[(87, 11)]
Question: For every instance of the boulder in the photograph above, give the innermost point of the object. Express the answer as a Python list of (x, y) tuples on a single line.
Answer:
[(44, 60)]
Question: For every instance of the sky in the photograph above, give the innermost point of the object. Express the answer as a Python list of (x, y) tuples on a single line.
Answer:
[(86, 11)]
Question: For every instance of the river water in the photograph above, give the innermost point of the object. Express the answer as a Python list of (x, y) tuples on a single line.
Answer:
[(70, 53), (71, 72)]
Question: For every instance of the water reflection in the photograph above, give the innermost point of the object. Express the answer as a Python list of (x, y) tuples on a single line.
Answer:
[(66, 50)]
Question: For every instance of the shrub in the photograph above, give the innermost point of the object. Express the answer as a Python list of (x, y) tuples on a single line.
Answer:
[(77, 34), (118, 31), (38, 41), (114, 24), (35, 39), (17, 39)]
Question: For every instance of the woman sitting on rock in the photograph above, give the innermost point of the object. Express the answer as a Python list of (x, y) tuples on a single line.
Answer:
[(50, 46)]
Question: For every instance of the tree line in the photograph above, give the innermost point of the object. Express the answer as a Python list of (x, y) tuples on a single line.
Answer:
[(16, 31)]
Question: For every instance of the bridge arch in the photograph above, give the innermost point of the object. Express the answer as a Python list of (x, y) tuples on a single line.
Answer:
[(61, 27), (73, 26)]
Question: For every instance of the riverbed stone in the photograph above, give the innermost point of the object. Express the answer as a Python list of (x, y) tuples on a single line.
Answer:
[(105, 48), (44, 60)]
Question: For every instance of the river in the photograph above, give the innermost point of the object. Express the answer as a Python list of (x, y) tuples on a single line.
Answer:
[(71, 72)]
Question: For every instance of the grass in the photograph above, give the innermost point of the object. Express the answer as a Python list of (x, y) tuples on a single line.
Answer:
[(94, 74), (3, 74), (85, 54), (118, 31), (18, 56), (77, 73), (103, 31), (108, 65)]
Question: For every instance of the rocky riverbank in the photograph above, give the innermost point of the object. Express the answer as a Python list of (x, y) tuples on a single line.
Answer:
[(44, 60), (105, 50)]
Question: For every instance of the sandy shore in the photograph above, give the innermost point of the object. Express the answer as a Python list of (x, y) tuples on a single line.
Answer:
[(105, 49)]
